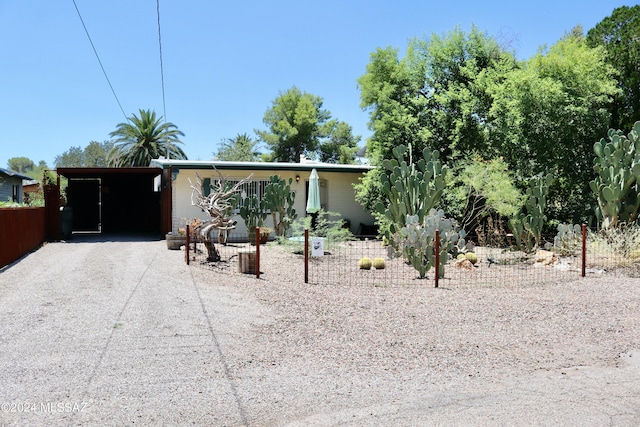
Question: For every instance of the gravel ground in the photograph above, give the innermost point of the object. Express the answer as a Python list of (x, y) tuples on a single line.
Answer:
[(131, 335)]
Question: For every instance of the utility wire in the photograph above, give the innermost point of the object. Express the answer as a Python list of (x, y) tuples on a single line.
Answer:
[(99, 61), (164, 106)]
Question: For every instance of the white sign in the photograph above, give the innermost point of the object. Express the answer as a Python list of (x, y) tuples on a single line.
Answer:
[(317, 246)]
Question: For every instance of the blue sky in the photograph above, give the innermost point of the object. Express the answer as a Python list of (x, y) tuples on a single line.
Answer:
[(224, 62)]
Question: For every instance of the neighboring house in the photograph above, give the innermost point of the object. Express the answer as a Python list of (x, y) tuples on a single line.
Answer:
[(336, 186), (11, 185), (31, 189)]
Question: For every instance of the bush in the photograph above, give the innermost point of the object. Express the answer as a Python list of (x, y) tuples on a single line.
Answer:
[(329, 225), (623, 241)]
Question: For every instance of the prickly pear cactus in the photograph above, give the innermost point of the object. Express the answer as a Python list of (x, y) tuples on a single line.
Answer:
[(253, 213), (411, 188), (279, 199), (568, 239), (528, 225), (617, 185), (416, 241)]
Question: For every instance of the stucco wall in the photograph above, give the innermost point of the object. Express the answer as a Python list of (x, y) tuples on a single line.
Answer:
[(339, 190)]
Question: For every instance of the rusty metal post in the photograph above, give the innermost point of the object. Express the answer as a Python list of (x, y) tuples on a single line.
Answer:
[(186, 246), (437, 249), (258, 252), (306, 255), (584, 250)]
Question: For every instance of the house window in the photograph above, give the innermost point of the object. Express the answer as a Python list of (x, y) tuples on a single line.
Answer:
[(248, 189), (15, 194)]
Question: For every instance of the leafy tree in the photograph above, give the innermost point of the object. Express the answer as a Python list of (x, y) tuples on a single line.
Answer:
[(96, 154), (619, 34), (242, 148), (547, 113), (93, 155), (436, 97), (72, 158), (295, 122), (340, 146), (144, 138), (480, 188), (20, 164)]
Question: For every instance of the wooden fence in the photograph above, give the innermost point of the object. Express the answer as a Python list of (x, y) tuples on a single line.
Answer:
[(21, 231)]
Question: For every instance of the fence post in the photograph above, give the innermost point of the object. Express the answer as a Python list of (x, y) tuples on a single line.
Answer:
[(258, 252), (186, 245), (437, 249), (584, 249), (306, 255)]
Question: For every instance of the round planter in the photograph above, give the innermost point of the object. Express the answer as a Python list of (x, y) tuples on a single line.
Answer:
[(175, 241)]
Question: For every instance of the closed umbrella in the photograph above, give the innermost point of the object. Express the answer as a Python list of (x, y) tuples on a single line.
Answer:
[(313, 200)]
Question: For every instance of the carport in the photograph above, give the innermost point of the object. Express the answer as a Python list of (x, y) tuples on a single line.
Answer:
[(116, 200)]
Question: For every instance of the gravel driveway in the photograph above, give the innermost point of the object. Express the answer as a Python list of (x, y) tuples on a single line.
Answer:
[(122, 332)]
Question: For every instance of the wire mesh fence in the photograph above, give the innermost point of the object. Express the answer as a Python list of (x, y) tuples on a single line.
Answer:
[(499, 261)]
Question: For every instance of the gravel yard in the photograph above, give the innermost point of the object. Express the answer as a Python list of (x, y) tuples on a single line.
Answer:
[(137, 337)]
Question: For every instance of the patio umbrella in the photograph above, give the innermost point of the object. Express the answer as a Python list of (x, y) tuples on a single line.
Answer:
[(313, 201)]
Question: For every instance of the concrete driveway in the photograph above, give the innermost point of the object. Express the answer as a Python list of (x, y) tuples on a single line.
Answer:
[(121, 332)]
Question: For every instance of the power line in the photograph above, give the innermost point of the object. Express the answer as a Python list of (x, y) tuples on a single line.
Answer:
[(164, 106), (99, 61)]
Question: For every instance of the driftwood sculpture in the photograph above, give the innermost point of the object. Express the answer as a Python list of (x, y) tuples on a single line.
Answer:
[(218, 205)]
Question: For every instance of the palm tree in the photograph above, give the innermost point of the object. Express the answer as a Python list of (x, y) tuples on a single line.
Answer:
[(144, 138)]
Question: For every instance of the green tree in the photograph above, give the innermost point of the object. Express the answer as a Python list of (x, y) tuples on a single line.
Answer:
[(340, 146), (619, 34), (144, 138), (547, 113), (481, 188), (436, 97), (96, 154), (72, 158), (242, 148), (295, 125), (20, 164)]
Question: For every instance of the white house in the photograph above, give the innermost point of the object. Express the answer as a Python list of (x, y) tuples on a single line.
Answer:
[(336, 186)]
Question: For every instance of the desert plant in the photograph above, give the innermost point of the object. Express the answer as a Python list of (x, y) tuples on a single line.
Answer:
[(622, 241), (416, 241), (617, 185), (412, 189), (472, 257), (329, 225), (279, 199), (528, 225), (568, 240), (378, 263), (253, 212), (364, 263)]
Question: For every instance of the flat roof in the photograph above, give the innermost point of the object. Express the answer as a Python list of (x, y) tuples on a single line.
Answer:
[(224, 165), (98, 172)]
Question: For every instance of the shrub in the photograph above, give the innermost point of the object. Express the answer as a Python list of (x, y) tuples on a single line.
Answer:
[(364, 263)]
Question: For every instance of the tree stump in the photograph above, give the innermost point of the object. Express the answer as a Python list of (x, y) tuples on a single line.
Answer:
[(247, 261)]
